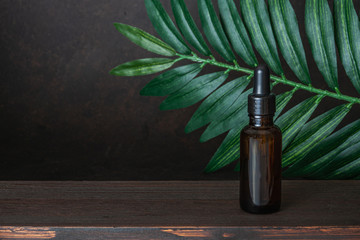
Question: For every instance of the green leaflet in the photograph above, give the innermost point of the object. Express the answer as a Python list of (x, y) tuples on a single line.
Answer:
[(171, 81), (236, 31), (347, 39), (217, 103), (320, 32), (281, 102), (145, 40), (188, 27), (287, 34), (142, 67), (165, 27), (194, 91), (228, 151), (292, 121), (345, 165), (313, 133), (213, 30), (334, 159), (235, 115), (257, 21), (348, 171), (326, 151), (345, 153)]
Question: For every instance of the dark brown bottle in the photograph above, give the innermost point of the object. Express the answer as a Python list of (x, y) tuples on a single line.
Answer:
[(260, 150)]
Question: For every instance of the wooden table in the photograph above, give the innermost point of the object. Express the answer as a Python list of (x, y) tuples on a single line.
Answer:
[(174, 210)]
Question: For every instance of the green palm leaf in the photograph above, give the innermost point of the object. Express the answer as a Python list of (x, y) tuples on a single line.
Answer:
[(228, 152), (171, 81), (282, 100), (217, 103), (236, 31), (326, 151), (257, 21), (287, 34), (194, 91), (145, 40), (310, 149), (345, 153), (213, 30), (235, 115), (142, 67), (320, 32), (334, 167), (347, 39), (188, 27), (293, 120), (350, 170), (312, 133), (165, 27)]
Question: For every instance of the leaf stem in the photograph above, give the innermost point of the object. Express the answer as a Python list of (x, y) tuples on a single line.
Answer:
[(276, 79)]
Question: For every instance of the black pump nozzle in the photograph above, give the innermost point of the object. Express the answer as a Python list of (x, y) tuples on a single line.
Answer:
[(261, 101)]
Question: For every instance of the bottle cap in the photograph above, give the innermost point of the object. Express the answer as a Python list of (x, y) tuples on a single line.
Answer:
[(261, 102)]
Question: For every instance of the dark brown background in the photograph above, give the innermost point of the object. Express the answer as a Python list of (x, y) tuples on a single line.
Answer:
[(62, 116)]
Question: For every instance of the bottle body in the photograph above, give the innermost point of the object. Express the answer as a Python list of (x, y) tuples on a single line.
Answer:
[(260, 166)]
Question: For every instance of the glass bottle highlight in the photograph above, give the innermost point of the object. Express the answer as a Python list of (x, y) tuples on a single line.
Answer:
[(260, 150)]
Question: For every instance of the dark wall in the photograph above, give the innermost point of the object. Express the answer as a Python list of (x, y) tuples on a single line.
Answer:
[(62, 116)]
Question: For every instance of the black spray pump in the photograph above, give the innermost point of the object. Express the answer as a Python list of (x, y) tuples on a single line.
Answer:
[(260, 150), (261, 102)]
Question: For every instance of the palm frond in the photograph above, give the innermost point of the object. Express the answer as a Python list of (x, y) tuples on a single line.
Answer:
[(165, 27), (172, 80), (142, 67), (236, 31), (217, 103), (282, 100), (320, 32), (288, 37), (214, 31), (324, 154), (310, 149), (236, 114), (188, 27), (293, 120), (145, 40), (197, 89), (258, 24), (347, 39), (312, 133)]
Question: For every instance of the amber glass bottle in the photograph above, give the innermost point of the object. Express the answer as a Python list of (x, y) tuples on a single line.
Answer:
[(260, 150)]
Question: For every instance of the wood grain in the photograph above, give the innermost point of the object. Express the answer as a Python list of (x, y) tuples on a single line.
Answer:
[(189, 233), (174, 210)]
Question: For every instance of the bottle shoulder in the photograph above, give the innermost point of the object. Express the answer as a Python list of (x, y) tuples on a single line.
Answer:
[(269, 130)]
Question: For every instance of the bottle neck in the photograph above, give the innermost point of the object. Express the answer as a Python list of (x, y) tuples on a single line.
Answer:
[(261, 121)]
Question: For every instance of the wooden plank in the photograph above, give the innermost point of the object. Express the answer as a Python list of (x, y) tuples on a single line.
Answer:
[(189, 233), (194, 203)]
